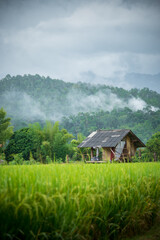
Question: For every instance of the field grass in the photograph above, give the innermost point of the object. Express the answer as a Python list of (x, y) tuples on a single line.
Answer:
[(78, 201), (153, 233)]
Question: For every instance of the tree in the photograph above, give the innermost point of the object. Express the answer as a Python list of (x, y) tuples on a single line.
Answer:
[(79, 153), (48, 142), (5, 131), (56, 141), (153, 146), (23, 141)]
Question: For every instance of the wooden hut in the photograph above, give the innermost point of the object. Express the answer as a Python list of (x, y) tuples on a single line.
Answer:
[(120, 144)]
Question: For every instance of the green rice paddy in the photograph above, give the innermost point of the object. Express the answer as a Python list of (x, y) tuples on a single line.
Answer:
[(78, 201)]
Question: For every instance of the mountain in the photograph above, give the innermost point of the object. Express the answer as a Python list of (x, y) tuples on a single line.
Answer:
[(31, 98)]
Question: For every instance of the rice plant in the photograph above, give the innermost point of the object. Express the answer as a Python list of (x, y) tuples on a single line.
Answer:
[(78, 201)]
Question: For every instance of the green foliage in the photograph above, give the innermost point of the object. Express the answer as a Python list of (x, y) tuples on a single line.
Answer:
[(153, 146), (151, 152), (48, 159), (56, 141), (79, 153), (23, 141), (143, 124), (5, 131), (18, 159), (78, 201), (41, 144)]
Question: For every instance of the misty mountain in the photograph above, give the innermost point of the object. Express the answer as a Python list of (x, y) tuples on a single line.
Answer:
[(29, 98), (34, 97)]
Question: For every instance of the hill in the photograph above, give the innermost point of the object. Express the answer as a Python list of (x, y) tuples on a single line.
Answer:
[(81, 107)]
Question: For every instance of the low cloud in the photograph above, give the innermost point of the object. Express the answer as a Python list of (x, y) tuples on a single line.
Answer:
[(20, 105), (106, 100)]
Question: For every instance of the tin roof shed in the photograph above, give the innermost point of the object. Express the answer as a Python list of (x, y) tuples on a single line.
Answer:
[(109, 138)]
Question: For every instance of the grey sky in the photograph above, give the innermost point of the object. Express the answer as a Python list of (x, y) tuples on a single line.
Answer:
[(79, 40)]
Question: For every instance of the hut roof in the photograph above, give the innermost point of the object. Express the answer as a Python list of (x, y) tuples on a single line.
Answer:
[(109, 138)]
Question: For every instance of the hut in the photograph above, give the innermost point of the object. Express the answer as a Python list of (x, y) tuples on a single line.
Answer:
[(120, 144)]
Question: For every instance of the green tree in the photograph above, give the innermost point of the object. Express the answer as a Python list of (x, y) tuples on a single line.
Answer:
[(79, 153), (42, 143), (56, 141), (153, 146), (5, 131), (61, 144), (23, 141)]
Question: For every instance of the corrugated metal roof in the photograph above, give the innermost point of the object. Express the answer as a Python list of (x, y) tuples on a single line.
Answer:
[(108, 138)]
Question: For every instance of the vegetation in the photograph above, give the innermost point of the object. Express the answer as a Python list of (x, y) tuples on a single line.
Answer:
[(78, 201), (153, 147), (40, 144), (50, 143), (5, 131), (143, 124)]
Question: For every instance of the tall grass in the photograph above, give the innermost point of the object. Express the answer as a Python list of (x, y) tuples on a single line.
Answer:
[(77, 201)]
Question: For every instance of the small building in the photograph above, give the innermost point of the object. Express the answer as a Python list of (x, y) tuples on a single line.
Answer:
[(120, 144)]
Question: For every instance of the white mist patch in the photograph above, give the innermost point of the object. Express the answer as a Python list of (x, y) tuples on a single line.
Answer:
[(154, 109), (80, 102), (23, 106), (31, 107), (106, 100), (136, 104)]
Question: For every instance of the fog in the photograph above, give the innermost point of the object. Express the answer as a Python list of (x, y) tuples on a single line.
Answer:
[(20, 105)]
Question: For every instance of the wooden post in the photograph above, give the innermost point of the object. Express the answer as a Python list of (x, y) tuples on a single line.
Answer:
[(155, 157), (67, 158), (139, 154), (91, 152)]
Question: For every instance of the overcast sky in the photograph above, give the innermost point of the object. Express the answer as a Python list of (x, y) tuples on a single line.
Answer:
[(77, 40)]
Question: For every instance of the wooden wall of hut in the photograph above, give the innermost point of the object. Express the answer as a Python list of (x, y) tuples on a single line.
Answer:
[(130, 146), (106, 154)]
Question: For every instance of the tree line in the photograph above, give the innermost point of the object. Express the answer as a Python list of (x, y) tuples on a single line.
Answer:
[(142, 123), (51, 143), (42, 144)]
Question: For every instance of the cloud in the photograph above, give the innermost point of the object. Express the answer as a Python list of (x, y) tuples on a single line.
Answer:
[(106, 100), (22, 106), (64, 39)]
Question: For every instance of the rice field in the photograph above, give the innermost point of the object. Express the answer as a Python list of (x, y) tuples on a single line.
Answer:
[(78, 201)]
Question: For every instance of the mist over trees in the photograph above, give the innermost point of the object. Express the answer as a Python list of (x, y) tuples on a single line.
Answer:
[(79, 107), (31, 98)]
